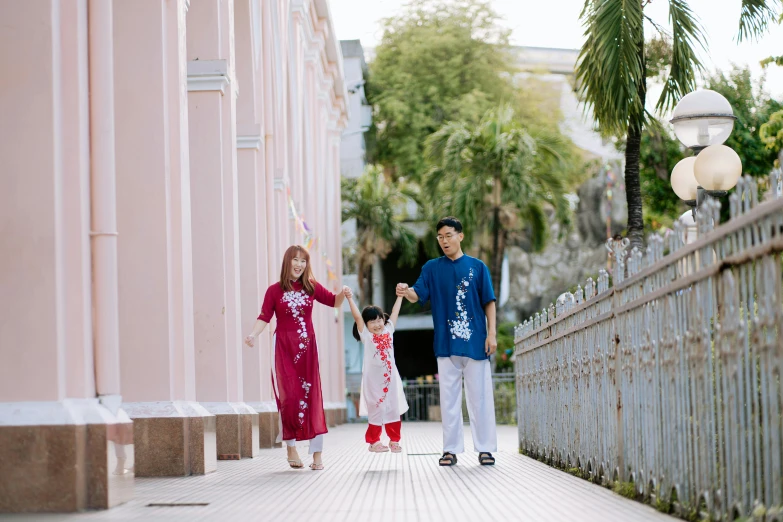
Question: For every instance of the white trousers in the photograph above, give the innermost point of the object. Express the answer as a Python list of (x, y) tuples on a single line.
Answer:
[(316, 444), (480, 399)]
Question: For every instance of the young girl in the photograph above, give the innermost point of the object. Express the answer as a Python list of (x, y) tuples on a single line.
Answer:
[(383, 400)]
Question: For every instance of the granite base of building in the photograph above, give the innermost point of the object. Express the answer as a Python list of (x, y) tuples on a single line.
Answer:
[(173, 438), (64, 456), (237, 429), (268, 424)]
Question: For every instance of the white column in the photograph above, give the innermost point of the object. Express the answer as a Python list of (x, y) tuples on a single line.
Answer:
[(49, 133), (212, 127), (155, 260), (249, 165)]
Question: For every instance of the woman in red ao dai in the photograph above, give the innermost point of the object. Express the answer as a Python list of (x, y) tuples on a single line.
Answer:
[(296, 378)]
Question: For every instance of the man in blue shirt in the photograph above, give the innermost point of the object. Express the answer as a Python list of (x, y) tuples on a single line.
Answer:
[(463, 312)]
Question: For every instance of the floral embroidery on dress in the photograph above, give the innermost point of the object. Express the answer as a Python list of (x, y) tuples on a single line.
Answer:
[(297, 301), (460, 327), (303, 403), (382, 348)]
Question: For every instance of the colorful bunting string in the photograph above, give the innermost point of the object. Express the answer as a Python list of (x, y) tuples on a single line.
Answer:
[(310, 239)]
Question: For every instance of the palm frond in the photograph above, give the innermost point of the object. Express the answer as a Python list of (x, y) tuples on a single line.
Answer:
[(376, 205), (537, 225), (552, 146), (756, 16), (662, 31), (777, 60), (687, 37), (471, 160), (610, 69)]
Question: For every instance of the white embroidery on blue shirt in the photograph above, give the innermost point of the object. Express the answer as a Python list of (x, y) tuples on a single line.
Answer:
[(460, 327)]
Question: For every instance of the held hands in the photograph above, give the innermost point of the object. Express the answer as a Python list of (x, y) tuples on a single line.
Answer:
[(347, 292), (402, 290), (491, 344), (250, 340)]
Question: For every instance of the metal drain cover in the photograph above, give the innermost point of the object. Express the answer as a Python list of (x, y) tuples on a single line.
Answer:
[(178, 504)]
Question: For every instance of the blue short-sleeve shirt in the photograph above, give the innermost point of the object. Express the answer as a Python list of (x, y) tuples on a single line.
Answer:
[(458, 290)]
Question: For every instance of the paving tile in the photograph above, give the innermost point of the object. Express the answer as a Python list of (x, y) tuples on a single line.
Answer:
[(359, 486)]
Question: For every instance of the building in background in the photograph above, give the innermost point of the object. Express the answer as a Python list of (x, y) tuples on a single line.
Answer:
[(553, 70), (352, 164), (352, 146), (157, 159)]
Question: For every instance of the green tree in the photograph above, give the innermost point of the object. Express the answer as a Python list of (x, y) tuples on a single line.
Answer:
[(438, 61), (613, 69), (753, 107), (660, 151), (375, 204), (497, 177), (503, 362), (771, 132)]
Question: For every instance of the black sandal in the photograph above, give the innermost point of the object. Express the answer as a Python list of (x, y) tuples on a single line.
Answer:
[(486, 459), (448, 459)]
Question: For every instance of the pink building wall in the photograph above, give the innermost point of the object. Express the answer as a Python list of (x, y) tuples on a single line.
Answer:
[(185, 123)]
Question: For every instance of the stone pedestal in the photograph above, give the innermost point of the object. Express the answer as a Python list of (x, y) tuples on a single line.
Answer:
[(331, 417), (268, 424), (236, 428), (249, 432), (64, 456), (336, 414), (173, 438)]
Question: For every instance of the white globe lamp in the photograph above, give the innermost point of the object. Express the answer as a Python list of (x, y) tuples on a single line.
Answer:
[(717, 168), (683, 179), (703, 118), (689, 228)]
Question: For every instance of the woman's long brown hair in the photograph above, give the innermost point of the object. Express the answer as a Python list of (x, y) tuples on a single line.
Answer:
[(307, 279)]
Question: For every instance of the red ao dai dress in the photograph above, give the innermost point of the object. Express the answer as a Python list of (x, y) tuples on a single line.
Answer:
[(296, 378)]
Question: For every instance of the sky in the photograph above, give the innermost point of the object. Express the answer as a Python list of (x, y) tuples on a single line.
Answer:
[(555, 23)]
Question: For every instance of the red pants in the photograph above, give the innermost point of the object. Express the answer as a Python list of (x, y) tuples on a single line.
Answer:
[(373, 434)]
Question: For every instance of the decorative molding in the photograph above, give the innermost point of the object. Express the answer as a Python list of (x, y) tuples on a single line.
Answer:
[(227, 408), (320, 42), (208, 75), (311, 55), (58, 413), (249, 142), (164, 409), (208, 83), (298, 11)]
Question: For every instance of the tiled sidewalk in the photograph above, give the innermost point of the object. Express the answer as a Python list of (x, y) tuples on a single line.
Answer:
[(360, 486)]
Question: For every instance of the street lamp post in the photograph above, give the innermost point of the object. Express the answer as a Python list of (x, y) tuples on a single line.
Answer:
[(702, 121)]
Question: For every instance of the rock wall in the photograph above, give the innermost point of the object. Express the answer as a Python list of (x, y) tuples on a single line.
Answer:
[(537, 279)]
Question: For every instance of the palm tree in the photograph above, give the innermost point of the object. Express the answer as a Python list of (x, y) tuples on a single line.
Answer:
[(497, 178), (612, 72), (375, 204)]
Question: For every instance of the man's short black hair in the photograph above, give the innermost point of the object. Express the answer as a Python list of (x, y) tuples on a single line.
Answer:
[(450, 221)]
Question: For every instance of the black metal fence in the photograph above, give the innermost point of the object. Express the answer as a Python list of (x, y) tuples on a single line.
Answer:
[(424, 400)]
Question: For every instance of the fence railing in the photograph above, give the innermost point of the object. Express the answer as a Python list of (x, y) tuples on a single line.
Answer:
[(671, 379), (424, 400)]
